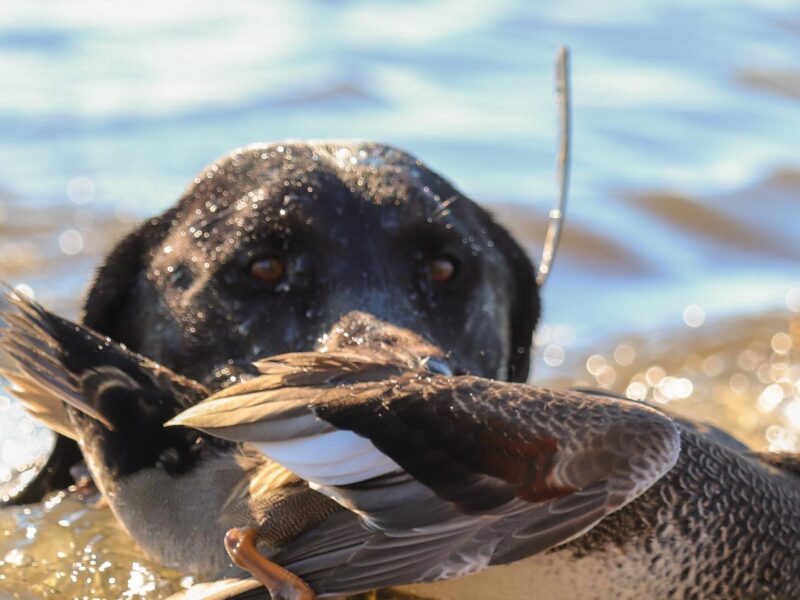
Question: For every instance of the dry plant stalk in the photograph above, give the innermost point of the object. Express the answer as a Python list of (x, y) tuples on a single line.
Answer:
[(556, 224)]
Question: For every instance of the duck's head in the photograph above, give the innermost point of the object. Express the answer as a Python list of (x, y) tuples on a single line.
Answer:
[(362, 334), (272, 246)]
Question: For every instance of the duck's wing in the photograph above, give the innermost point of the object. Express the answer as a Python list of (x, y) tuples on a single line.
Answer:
[(442, 475), (111, 394)]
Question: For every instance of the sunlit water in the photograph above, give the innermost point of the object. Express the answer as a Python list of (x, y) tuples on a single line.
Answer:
[(68, 548), (677, 281)]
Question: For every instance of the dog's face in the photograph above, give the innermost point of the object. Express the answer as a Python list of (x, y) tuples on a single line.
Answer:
[(271, 245)]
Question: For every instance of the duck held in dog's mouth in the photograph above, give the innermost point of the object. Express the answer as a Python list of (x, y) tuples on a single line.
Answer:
[(358, 467)]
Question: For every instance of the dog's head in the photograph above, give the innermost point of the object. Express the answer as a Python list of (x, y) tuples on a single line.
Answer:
[(271, 245)]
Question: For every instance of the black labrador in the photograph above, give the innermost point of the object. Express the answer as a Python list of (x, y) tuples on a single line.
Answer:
[(272, 244)]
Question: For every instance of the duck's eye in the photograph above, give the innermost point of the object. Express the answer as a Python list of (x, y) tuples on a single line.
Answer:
[(441, 269), (268, 270)]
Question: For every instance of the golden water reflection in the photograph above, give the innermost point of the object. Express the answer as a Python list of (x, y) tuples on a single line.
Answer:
[(65, 548), (742, 375)]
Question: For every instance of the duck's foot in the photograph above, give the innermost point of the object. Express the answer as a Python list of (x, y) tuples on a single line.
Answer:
[(282, 585)]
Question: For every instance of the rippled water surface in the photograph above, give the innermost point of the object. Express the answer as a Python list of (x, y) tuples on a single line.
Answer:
[(678, 277)]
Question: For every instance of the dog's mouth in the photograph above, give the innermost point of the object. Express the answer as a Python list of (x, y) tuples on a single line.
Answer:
[(361, 333)]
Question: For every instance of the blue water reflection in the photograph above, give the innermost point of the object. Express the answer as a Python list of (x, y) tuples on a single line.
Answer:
[(669, 97)]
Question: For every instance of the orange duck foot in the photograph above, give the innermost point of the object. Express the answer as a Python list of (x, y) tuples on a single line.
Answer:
[(282, 585)]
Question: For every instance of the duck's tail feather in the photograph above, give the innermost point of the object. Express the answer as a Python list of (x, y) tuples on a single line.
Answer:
[(61, 361), (41, 404), (113, 396)]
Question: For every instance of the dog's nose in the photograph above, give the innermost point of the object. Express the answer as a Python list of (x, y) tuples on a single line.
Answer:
[(367, 333)]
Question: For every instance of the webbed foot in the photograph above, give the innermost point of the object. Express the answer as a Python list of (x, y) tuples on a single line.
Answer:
[(282, 585)]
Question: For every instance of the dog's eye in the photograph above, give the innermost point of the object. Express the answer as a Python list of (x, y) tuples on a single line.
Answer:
[(441, 269), (268, 270)]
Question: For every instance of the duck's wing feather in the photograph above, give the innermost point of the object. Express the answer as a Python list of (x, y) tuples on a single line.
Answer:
[(443, 475)]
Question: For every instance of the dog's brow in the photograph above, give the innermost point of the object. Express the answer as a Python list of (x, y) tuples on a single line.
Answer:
[(438, 213), (432, 218), (286, 210), (442, 210), (289, 211)]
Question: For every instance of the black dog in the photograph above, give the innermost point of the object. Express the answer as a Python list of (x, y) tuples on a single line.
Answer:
[(272, 244)]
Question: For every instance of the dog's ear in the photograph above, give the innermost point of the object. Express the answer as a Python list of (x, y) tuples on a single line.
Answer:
[(525, 301), (113, 293)]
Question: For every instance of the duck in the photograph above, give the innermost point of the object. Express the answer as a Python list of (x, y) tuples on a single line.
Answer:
[(351, 496), (547, 485), (370, 465)]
